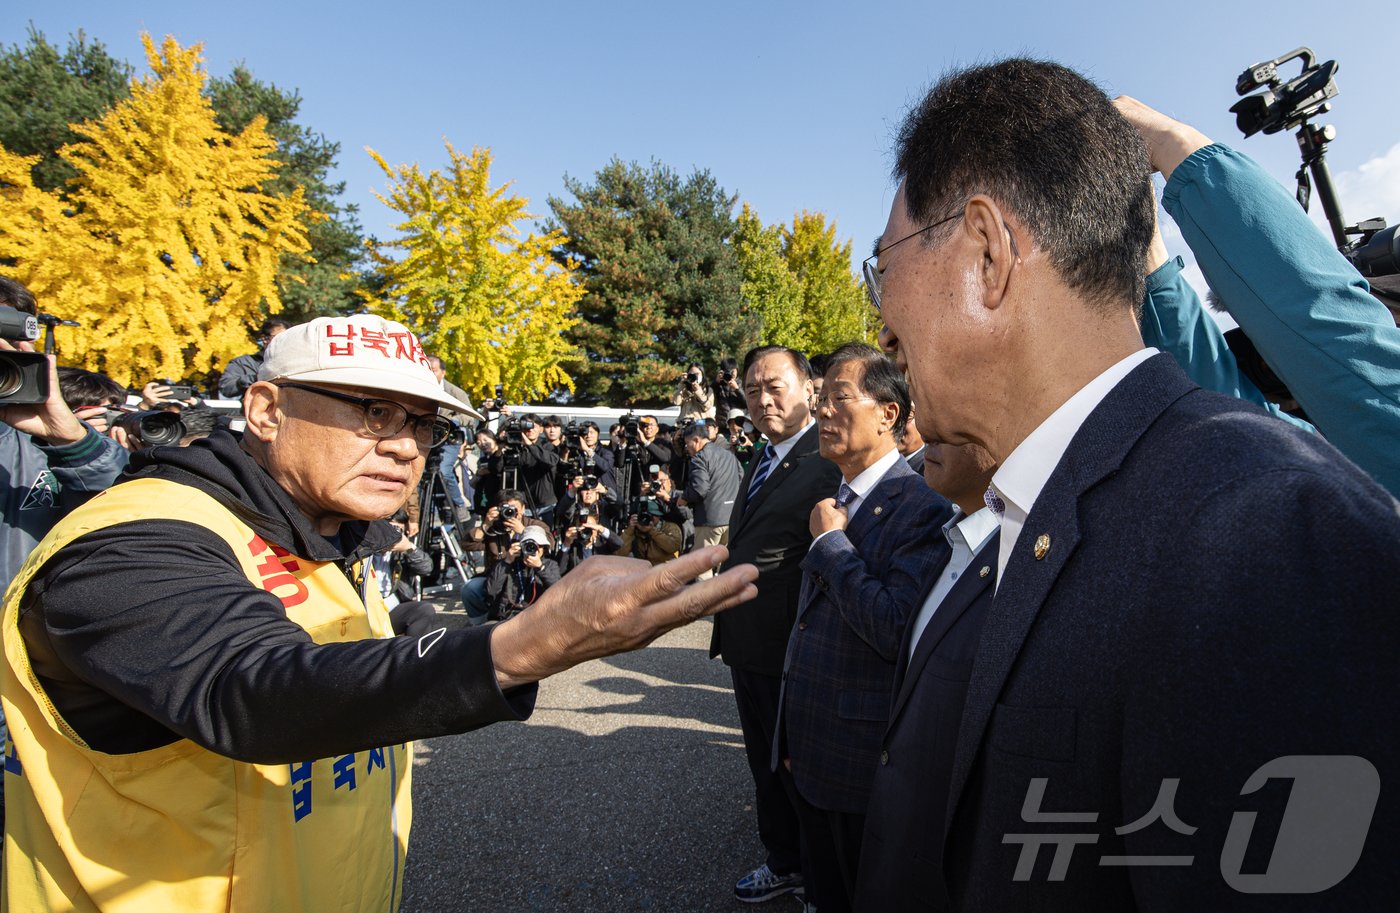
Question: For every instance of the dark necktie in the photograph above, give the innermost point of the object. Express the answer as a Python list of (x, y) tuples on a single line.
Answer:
[(765, 466), (845, 495)]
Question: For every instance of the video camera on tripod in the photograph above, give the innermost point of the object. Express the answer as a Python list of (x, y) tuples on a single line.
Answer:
[(1371, 247)]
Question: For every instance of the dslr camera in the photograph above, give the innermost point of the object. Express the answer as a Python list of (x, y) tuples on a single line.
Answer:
[(529, 548), (156, 428), (24, 376)]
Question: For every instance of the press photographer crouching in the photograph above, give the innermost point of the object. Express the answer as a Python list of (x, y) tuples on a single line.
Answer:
[(504, 523), (649, 535), (522, 576), (586, 519)]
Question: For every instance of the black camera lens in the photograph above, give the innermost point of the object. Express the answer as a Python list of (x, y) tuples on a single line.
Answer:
[(509, 512), (529, 548)]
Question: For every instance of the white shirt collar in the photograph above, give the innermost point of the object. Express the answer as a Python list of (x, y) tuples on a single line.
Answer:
[(974, 529), (780, 451), (868, 478), (1025, 471)]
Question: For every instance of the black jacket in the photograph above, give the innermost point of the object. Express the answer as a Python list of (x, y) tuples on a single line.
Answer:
[(148, 632), (772, 532)]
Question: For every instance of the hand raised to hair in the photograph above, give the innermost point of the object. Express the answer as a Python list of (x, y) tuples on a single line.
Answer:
[(1168, 141)]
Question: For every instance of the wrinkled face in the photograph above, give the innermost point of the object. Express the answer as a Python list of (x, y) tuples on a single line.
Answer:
[(959, 472), (931, 311), (854, 429), (334, 470), (778, 396)]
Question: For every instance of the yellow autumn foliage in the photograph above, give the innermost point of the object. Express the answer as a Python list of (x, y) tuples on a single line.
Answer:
[(483, 295), (165, 248)]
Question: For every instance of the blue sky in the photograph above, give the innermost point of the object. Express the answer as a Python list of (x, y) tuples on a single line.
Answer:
[(791, 105)]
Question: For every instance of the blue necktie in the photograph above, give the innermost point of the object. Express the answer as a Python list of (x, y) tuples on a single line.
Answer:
[(765, 466), (845, 495)]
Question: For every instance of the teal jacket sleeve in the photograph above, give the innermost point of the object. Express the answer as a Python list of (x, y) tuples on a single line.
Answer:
[(1306, 309), (1174, 321)]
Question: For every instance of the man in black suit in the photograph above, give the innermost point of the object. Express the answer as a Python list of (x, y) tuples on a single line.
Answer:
[(1192, 597), (909, 793), (769, 528)]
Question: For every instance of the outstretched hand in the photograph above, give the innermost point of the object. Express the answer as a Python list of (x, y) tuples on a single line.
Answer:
[(611, 605)]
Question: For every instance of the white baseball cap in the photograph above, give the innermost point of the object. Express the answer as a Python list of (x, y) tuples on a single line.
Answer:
[(362, 350)]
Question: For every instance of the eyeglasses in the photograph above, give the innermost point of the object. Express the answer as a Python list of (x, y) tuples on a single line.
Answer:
[(841, 401), (868, 265), (384, 419), (871, 274)]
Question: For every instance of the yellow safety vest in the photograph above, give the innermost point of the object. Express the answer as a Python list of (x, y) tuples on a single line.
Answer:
[(179, 828)]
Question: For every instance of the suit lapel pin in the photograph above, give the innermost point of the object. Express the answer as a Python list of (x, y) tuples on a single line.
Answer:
[(985, 571), (786, 465), (877, 511), (1042, 546)]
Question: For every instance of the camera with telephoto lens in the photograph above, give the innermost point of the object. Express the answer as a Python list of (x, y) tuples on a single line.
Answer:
[(24, 376), (529, 548), (152, 429)]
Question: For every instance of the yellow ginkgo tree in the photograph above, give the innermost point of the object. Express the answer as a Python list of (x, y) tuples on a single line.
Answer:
[(165, 247), (484, 295)]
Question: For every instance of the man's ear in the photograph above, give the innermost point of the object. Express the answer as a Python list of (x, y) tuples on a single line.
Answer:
[(262, 411), (890, 412), (987, 224)]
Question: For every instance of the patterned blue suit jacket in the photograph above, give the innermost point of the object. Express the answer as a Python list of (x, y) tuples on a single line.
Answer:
[(860, 587)]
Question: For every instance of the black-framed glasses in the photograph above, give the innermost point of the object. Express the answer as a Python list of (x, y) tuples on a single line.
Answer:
[(384, 418), (868, 268)]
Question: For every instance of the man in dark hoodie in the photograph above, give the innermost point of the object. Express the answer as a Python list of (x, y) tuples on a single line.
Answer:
[(196, 653)]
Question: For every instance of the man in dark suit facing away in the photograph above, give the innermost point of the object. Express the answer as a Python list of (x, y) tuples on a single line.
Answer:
[(769, 528), (909, 794), (877, 540), (1193, 598)]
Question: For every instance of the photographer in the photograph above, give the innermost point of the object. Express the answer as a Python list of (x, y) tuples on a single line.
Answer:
[(539, 464), (55, 462), (729, 396), (522, 576), (162, 427), (648, 535), (586, 524), (486, 483), (740, 434), (91, 396), (503, 523), (583, 456), (449, 453), (694, 397)]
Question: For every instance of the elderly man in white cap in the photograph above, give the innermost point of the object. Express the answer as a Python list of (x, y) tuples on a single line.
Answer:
[(208, 709)]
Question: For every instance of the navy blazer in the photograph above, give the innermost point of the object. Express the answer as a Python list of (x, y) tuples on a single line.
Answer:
[(899, 863), (773, 533), (860, 587), (1199, 591)]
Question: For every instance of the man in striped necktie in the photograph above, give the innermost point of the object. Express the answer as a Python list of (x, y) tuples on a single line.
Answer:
[(769, 528)]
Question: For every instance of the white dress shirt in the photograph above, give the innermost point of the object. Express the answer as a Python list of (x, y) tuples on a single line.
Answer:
[(781, 450), (966, 534), (862, 484), (1024, 473)]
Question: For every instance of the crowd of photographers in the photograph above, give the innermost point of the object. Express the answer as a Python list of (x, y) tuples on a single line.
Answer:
[(546, 494)]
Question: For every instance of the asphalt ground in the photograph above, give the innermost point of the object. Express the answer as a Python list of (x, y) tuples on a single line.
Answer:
[(627, 790)]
